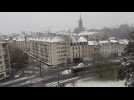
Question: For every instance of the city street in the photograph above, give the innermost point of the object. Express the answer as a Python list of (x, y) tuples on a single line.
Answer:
[(48, 77)]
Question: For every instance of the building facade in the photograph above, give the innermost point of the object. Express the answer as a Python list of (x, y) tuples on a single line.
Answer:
[(4, 61), (112, 48), (56, 50), (80, 27), (50, 50), (78, 49)]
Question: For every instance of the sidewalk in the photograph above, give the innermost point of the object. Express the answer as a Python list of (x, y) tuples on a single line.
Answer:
[(90, 82)]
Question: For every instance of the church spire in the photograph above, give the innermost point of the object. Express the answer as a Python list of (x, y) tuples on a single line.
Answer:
[(80, 27), (80, 22)]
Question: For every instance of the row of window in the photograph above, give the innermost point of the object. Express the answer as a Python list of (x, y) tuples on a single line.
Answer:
[(2, 68), (1, 62), (61, 47), (2, 76), (61, 59), (61, 51)]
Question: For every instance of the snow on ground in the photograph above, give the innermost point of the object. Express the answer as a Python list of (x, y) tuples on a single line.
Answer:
[(96, 83)]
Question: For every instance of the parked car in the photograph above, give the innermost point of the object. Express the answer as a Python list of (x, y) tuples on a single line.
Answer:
[(66, 72), (18, 74)]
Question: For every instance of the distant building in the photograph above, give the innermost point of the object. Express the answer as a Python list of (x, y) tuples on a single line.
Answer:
[(63, 49), (79, 49), (50, 50), (4, 60), (112, 48), (92, 48)]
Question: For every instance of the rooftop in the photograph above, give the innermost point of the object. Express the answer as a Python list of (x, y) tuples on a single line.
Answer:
[(49, 39), (57, 39), (92, 43), (82, 39), (123, 41), (113, 41), (103, 42), (87, 33)]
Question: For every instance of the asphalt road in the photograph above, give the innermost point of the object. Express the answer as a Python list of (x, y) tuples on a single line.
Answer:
[(47, 76), (53, 78)]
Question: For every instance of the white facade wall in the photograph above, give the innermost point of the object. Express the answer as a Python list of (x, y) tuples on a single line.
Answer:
[(111, 49), (52, 53), (58, 52)]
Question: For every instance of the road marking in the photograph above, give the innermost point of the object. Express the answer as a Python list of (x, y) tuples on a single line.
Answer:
[(17, 80), (62, 81)]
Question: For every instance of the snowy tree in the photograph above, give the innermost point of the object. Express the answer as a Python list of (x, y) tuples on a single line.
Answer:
[(127, 65), (18, 58)]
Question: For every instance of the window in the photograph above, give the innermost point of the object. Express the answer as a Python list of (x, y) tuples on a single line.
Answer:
[(1, 76), (7, 73), (0, 62), (4, 45)]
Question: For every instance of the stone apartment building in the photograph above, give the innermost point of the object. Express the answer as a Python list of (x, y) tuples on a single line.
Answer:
[(56, 50), (112, 48), (79, 49), (4, 61), (51, 50)]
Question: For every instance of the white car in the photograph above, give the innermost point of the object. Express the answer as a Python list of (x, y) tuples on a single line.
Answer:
[(66, 72), (28, 72), (18, 75)]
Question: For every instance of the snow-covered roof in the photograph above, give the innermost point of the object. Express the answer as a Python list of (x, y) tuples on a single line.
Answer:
[(123, 41), (45, 39), (112, 38), (104, 41), (82, 39), (14, 39), (113, 41), (57, 39), (49, 39), (74, 39), (87, 33), (30, 39), (20, 39), (92, 43)]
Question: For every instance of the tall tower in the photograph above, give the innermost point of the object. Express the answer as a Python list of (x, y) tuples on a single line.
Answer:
[(80, 22), (80, 27)]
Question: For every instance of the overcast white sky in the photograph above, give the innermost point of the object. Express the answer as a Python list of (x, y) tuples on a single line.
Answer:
[(41, 21)]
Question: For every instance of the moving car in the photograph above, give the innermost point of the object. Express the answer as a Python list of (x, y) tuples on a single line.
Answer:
[(79, 68), (66, 72), (18, 74)]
